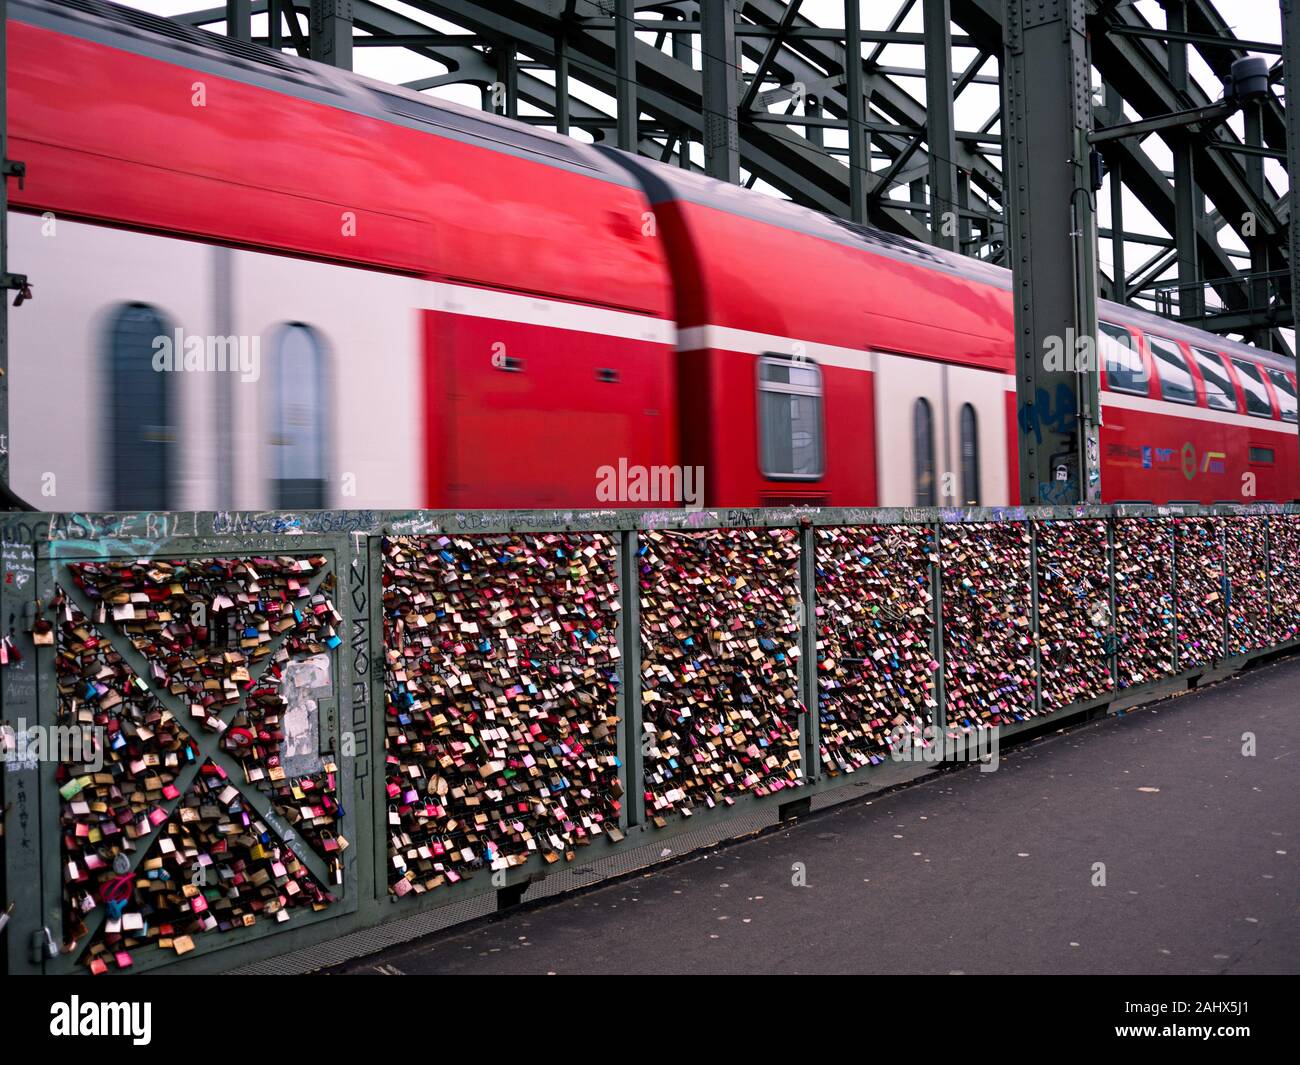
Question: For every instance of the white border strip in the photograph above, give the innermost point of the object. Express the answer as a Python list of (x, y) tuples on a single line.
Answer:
[(1123, 401), (724, 338), (556, 314)]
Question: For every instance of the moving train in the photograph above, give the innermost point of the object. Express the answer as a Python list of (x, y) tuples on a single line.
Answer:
[(259, 282)]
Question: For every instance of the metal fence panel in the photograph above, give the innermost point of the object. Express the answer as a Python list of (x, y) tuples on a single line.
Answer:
[(317, 723)]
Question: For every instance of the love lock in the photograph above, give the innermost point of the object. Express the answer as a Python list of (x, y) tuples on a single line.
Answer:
[(237, 740)]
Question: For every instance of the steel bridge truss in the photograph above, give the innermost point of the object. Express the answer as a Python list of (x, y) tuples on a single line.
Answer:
[(754, 91)]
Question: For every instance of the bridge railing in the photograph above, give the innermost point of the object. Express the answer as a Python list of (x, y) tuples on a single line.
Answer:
[(234, 735)]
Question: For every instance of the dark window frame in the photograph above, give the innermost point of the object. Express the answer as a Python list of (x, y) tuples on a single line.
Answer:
[(311, 493), (1272, 373), (817, 394), (126, 482), (1199, 355), (1157, 344), (1136, 347), (923, 497), (970, 465), (1244, 369)]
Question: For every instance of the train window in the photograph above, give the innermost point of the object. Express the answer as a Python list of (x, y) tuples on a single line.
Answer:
[(1257, 401), (1176, 383), (142, 437), (790, 419), (970, 456), (1263, 455), (1285, 393), (923, 452), (1125, 370), (1220, 392), (298, 419)]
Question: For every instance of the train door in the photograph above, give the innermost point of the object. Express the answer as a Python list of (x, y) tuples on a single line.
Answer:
[(940, 434), (975, 402)]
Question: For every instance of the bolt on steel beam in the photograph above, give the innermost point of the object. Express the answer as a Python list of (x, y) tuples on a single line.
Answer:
[(721, 96), (331, 32)]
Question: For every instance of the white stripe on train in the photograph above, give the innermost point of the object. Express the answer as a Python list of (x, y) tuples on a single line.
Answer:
[(723, 338)]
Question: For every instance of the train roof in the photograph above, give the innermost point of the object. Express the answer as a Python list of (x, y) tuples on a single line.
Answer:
[(165, 39)]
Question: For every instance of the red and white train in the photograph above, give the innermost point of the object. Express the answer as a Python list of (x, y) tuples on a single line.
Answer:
[(441, 308)]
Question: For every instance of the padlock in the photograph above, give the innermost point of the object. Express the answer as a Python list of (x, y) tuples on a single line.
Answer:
[(43, 945)]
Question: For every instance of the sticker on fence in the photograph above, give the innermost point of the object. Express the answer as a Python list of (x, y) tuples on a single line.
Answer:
[(184, 820)]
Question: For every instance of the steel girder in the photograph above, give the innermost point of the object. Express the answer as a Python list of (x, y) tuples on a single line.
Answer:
[(805, 60), (671, 92), (1139, 69)]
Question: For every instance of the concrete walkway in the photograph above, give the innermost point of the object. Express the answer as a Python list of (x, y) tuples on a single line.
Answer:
[(977, 872)]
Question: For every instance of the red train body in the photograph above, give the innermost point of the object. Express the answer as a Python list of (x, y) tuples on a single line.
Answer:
[(498, 317)]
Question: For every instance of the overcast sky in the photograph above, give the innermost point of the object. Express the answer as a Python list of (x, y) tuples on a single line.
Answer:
[(1250, 19)]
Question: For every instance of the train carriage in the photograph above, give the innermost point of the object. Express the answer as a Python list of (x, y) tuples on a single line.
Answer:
[(265, 283)]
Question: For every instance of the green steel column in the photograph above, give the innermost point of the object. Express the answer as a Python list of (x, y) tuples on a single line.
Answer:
[(239, 19), (331, 32), (625, 74), (1119, 269), (630, 655), (1291, 76), (1259, 258), (720, 74), (506, 101), (1051, 223), (940, 128), (939, 719), (562, 82), (859, 141), (1187, 197), (808, 649)]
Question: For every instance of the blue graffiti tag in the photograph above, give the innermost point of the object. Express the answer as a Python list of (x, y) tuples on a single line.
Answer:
[(1043, 414)]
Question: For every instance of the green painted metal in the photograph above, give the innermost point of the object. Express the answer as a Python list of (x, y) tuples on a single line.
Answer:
[(939, 719), (1034, 618), (1051, 222), (811, 734), (1114, 616), (630, 689), (37, 547)]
